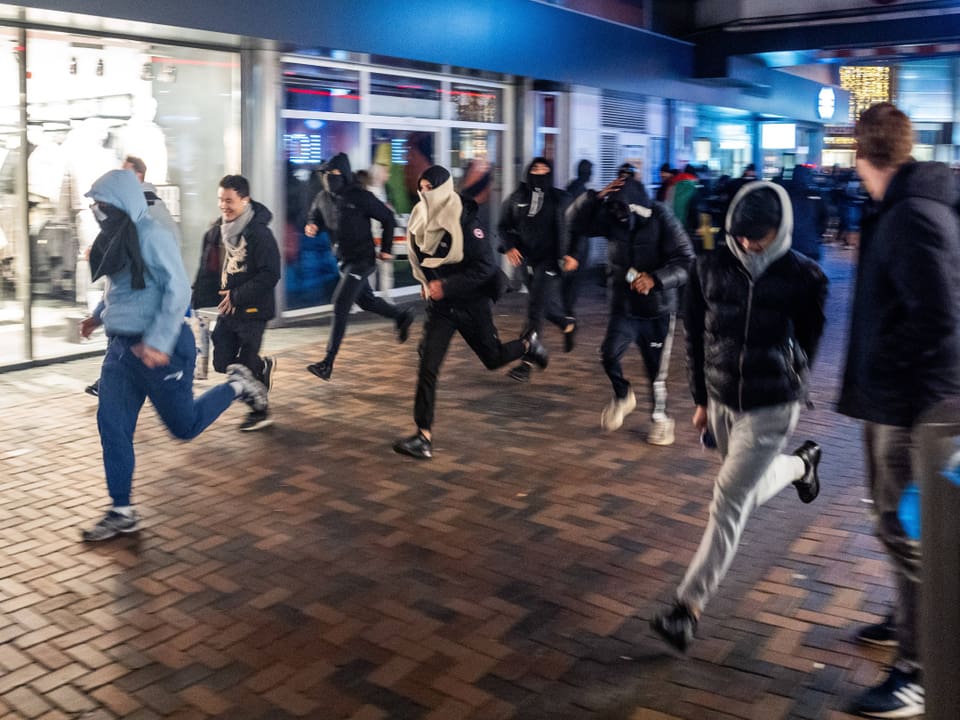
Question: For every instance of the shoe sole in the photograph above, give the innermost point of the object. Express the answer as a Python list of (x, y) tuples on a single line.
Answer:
[(267, 422), (400, 451), (662, 443), (876, 643), (85, 536)]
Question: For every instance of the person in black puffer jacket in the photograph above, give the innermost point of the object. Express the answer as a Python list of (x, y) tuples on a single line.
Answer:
[(452, 258), (903, 358), (346, 209), (754, 317), (648, 253)]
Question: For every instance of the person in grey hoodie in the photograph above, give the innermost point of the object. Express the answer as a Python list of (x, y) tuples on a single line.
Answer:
[(754, 317), (150, 350)]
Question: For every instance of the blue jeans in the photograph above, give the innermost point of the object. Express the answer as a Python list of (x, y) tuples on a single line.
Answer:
[(125, 382)]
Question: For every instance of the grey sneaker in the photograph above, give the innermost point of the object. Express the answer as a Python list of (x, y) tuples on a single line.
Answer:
[(112, 524), (661, 432), (253, 392), (613, 414)]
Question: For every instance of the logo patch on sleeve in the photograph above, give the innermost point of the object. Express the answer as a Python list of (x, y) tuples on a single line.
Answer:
[(478, 233)]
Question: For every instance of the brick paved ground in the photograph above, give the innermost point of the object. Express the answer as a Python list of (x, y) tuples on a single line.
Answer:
[(308, 571)]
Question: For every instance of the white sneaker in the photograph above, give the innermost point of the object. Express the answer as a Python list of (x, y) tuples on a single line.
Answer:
[(613, 414), (661, 432)]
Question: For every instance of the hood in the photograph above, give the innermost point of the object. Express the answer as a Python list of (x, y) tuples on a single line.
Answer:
[(632, 192), (929, 180), (539, 181), (584, 170), (121, 189), (756, 263), (340, 162), (261, 214)]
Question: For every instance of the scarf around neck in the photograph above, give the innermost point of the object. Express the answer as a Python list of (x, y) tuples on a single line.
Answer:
[(117, 247), (435, 216)]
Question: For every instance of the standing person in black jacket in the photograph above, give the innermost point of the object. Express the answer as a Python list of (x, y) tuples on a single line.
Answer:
[(754, 317), (346, 209), (452, 258), (239, 269), (533, 233), (648, 253), (576, 256), (903, 357), (810, 213)]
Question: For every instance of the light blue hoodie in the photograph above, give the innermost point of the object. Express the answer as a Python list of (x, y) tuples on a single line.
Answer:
[(156, 311)]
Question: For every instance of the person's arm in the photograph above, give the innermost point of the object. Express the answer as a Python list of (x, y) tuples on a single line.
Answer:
[(676, 249), (376, 210), (695, 308), (810, 317), (265, 262), (507, 226), (162, 263), (314, 217), (476, 268)]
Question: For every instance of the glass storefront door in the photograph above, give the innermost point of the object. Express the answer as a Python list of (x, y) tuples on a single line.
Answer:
[(13, 241)]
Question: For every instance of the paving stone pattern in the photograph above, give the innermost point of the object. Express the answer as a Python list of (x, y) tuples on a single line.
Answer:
[(307, 571)]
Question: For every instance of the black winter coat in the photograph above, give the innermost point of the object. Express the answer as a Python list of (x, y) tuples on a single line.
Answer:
[(539, 240), (655, 243), (750, 343), (251, 286), (904, 349), (347, 216)]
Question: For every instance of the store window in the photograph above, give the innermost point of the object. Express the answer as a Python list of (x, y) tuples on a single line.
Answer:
[(92, 101), (476, 103), (546, 118), (404, 97), (321, 89), (14, 283), (473, 164)]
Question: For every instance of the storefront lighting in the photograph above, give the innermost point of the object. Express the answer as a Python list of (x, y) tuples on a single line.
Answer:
[(867, 86)]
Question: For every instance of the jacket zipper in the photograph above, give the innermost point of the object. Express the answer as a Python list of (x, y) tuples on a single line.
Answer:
[(746, 335)]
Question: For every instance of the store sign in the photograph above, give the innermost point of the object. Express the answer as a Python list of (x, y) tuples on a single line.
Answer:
[(826, 103)]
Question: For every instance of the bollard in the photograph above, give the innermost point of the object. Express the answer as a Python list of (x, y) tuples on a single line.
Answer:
[(938, 439)]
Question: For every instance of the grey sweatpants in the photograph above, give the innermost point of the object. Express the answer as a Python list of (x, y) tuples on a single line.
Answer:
[(889, 471), (753, 471)]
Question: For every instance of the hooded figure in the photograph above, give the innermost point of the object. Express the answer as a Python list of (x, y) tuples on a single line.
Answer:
[(452, 258), (578, 185), (810, 214)]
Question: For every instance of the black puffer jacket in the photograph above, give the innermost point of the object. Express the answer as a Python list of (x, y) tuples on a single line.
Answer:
[(904, 349), (541, 237), (347, 214), (251, 286), (472, 279), (652, 241), (750, 341)]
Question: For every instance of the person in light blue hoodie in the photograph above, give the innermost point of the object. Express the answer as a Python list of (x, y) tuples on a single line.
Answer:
[(150, 350)]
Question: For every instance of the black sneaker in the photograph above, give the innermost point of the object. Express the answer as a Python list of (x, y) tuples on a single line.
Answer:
[(808, 487), (570, 337), (253, 392), (899, 696), (403, 326), (256, 420), (676, 627), (321, 369), (93, 388), (883, 633), (416, 446), (536, 353), (270, 365), (521, 373), (113, 523)]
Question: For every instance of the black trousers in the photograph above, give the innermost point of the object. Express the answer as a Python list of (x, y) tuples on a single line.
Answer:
[(543, 285), (654, 338), (474, 322), (237, 340), (354, 288)]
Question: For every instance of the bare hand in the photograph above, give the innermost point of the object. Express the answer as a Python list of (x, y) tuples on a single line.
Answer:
[(310, 230), (569, 263), (226, 306), (88, 325), (612, 187), (151, 357), (700, 417), (384, 256), (435, 290), (514, 256), (643, 283)]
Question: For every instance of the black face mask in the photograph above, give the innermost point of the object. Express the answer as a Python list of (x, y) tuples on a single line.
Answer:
[(334, 183), (619, 212), (540, 182)]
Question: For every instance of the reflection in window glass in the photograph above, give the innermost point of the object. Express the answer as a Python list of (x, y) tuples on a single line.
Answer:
[(13, 241), (475, 103), (404, 97), (473, 156), (321, 89)]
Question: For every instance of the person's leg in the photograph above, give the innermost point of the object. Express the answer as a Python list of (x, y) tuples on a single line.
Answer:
[(753, 471), (619, 336), (121, 398), (890, 471), (437, 332), (368, 300), (170, 388), (250, 336), (655, 341), (352, 283), (226, 342), (475, 324)]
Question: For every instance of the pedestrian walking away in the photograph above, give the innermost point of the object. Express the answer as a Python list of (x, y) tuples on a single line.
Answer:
[(150, 350), (452, 258), (754, 318), (239, 269), (346, 208)]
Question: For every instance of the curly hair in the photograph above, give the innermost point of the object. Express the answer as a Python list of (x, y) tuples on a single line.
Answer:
[(884, 136)]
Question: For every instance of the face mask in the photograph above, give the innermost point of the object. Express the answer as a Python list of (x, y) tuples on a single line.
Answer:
[(99, 213), (333, 183), (619, 212)]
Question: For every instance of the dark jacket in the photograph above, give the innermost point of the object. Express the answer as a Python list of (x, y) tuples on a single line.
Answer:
[(578, 185), (809, 212), (750, 342), (652, 241), (904, 349), (347, 213), (475, 277), (542, 237), (251, 286)]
